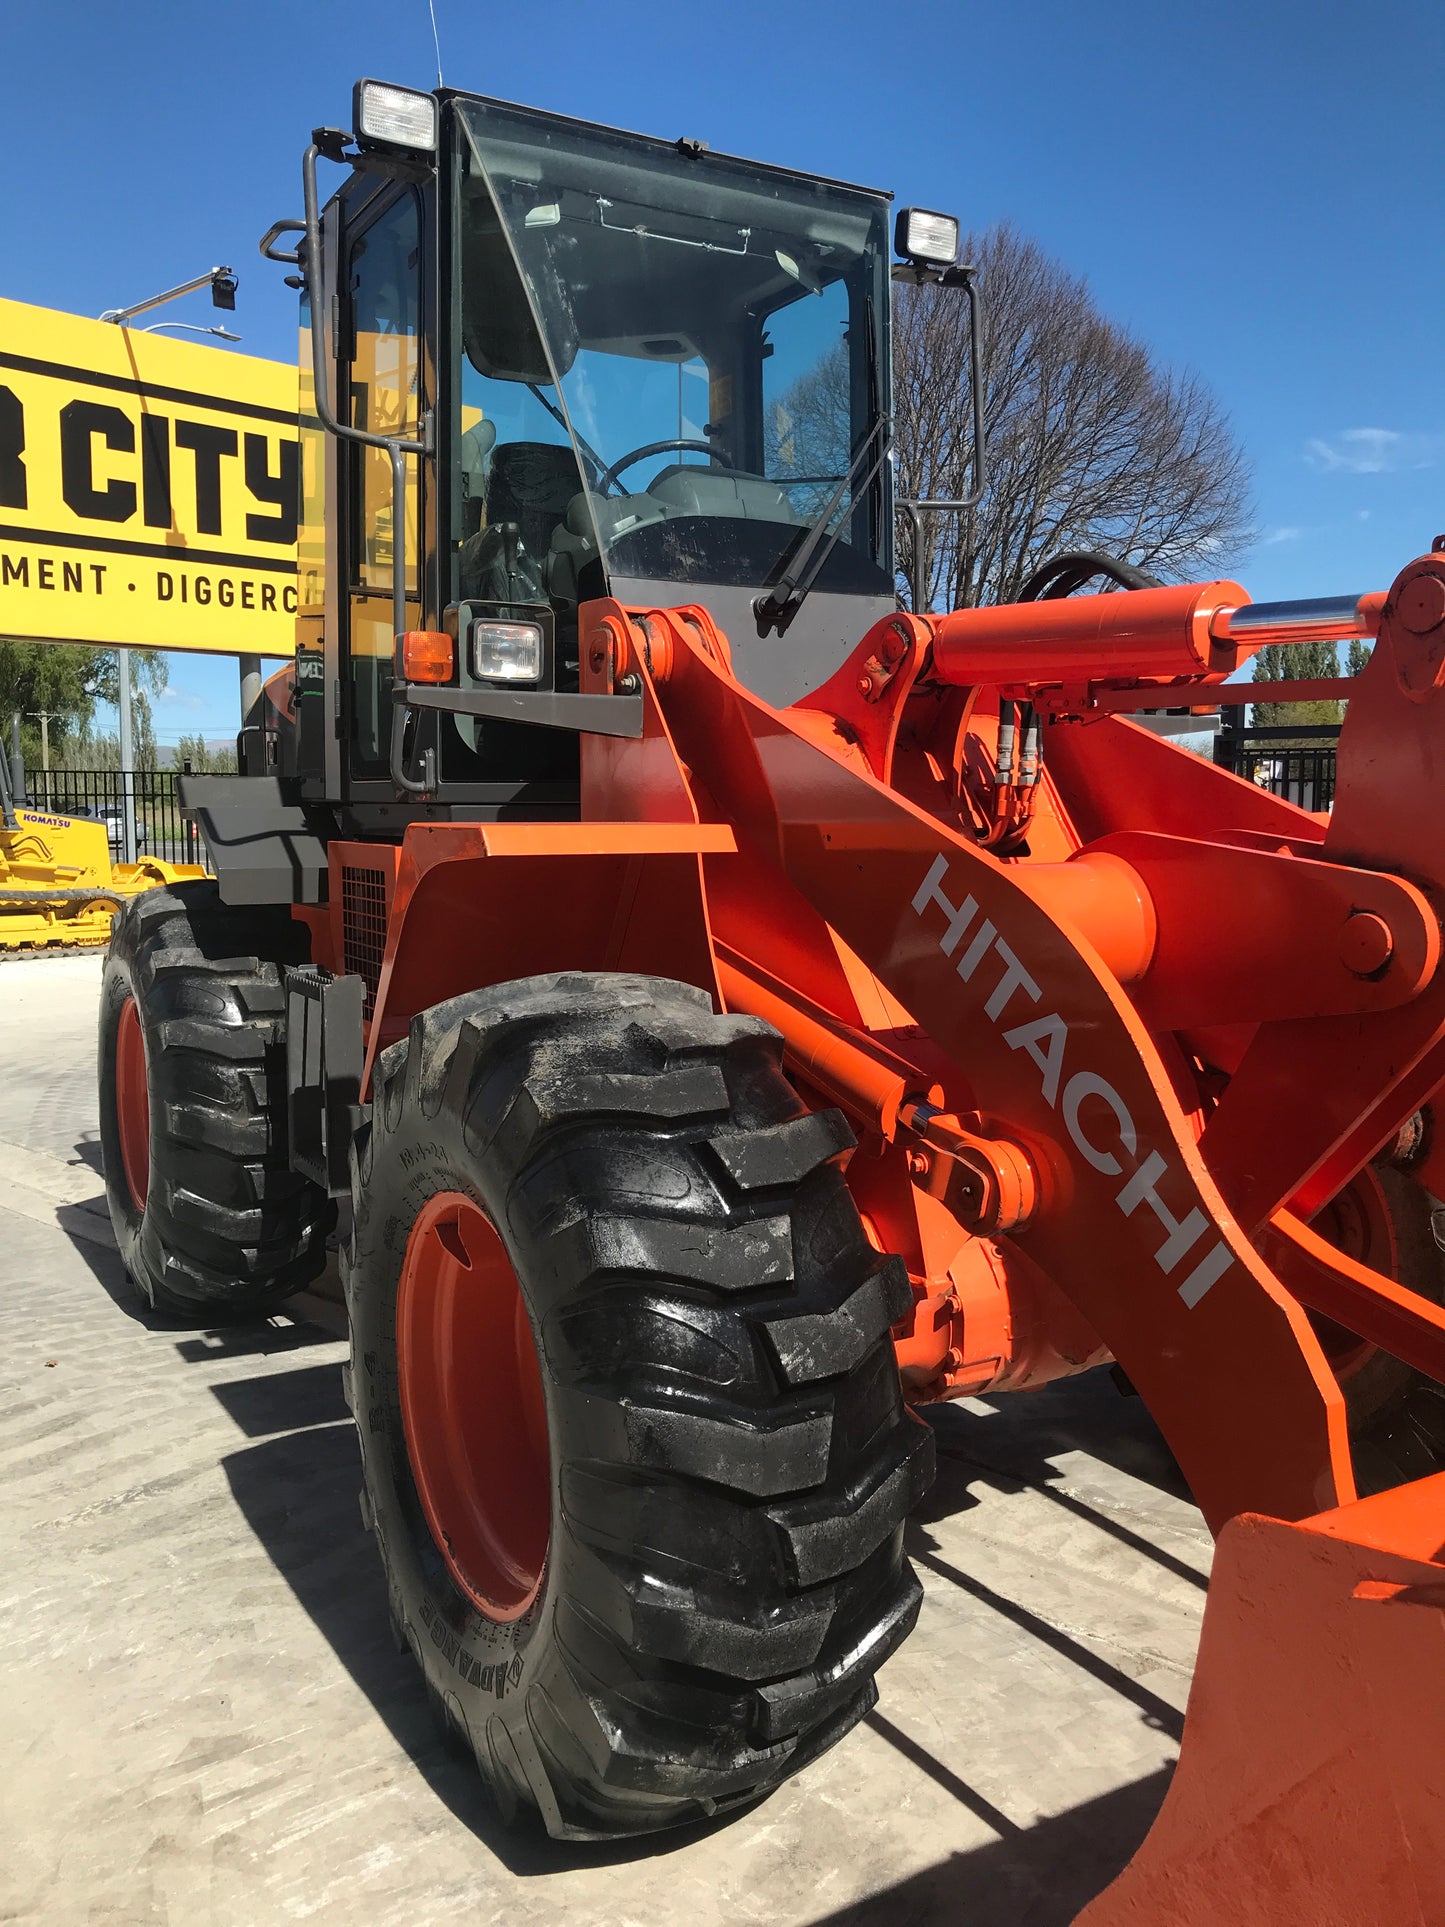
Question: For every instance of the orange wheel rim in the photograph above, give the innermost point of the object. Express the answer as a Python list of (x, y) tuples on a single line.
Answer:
[(133, 1103), (472, 1406)]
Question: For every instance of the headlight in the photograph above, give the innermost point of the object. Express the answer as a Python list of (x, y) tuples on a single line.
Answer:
[(921, 236), (394, 116), (507, 651)]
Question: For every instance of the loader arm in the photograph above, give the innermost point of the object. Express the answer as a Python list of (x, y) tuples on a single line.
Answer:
[(1125, 1213), (1053, 988)]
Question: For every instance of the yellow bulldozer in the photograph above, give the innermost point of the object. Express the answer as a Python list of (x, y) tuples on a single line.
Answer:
[(58, 886)]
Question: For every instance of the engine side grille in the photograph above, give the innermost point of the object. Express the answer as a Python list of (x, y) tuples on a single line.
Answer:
[(363, 925)]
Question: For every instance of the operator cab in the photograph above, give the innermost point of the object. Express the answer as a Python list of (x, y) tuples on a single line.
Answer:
[(668, 361), (638, 369)]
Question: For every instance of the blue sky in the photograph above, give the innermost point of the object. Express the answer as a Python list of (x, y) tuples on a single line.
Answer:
[(1255, 189)]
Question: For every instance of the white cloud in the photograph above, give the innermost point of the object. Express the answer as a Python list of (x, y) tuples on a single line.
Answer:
[(1374, 451), (1272, 536), (182, 698)]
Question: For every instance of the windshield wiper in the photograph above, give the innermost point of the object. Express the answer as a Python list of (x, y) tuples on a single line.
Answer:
[(776, 609)]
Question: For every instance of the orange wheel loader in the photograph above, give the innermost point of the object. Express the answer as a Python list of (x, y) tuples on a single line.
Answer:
[(740, 1010)]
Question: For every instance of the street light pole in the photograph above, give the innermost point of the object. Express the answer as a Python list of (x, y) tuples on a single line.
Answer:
[(127, 759), (190, 327), (43, 716), (221, 282), (251, 685), (17, 760)]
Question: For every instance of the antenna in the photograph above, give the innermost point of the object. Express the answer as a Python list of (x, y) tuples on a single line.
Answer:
[(435, 41)]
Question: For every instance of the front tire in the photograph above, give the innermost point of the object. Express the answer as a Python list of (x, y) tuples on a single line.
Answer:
[(694, 1600)]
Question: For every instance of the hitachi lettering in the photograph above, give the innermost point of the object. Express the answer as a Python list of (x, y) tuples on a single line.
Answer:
[(229, 592), (1045, 1040)]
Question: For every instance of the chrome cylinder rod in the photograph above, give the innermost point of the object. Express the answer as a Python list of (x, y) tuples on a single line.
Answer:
[(1316, 619)]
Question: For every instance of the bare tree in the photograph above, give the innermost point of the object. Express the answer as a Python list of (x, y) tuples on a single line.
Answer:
[(806, 431), (1091, 443)]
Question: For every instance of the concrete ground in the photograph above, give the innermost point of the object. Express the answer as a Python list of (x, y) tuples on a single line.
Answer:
[(204, 1720)]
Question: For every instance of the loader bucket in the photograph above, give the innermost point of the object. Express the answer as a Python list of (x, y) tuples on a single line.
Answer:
[(1309, 1791)]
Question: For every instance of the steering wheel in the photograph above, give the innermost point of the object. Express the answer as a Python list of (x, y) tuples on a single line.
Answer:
[(610, 475)]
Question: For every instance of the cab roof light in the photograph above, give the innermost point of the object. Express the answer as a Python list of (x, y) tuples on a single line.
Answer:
[(387, 116), (427, 655), (926, 238)]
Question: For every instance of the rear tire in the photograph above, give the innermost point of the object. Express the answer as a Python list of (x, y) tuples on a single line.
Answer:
[(729, 1461), (1396, 1414), (210, 1219)]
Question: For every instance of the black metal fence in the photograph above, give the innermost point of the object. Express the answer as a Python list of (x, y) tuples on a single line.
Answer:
[(1295, 763), (161, 830)]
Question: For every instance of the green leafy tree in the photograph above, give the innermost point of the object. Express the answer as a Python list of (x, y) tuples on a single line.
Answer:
[(92, 750), (67, 681), (1359, 655), (1295, 662), (203, 759)]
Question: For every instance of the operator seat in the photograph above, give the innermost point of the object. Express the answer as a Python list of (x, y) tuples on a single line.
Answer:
[(530, 484), (477, 444)]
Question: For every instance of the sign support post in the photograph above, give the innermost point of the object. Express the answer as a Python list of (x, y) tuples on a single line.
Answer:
[(127, 759), (251, 682)]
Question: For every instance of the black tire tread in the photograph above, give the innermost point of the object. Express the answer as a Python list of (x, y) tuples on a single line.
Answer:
[(229, 1230), (738, 1462)]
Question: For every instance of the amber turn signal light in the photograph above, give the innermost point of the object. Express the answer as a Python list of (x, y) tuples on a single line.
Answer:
[(427, 655)]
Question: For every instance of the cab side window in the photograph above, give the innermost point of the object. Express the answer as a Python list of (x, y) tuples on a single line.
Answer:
[(383, 356)]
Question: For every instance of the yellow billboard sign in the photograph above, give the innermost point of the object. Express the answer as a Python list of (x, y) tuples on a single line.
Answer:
[(149, 489)]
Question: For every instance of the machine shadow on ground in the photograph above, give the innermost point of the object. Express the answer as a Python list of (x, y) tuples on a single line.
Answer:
[(299, 1495), (298, 1492), (297, 1488), (1018, 1447), (1027, 1431), (1039, 1876)]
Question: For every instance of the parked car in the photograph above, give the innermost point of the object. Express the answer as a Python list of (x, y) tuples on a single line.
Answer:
[(109, 814)]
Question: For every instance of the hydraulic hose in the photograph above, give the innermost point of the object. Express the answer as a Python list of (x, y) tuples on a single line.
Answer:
[(1066, 574)]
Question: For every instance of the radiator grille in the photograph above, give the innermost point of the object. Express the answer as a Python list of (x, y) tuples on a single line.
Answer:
[(363, 925)]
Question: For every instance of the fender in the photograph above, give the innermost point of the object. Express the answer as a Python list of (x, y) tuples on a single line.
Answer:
[(467, 905)]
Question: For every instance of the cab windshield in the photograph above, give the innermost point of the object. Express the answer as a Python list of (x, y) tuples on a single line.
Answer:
[(669, 361)]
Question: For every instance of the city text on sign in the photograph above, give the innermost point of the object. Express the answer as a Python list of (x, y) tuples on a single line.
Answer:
[(148, 489)]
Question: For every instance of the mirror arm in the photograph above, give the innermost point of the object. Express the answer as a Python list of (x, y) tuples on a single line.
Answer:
[(952, 278)]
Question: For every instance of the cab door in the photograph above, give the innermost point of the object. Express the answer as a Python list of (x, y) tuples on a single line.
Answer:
[(383, 373)]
